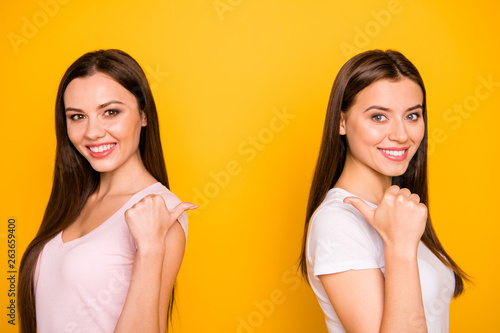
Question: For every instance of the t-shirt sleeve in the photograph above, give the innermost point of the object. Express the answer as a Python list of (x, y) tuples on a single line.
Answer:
[(341, 239), (171, 201)]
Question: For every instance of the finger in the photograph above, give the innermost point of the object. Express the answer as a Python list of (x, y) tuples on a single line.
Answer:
[(415, 198), (404, 192), (181, 208), (366, 210), (394, 189), (423, 209)]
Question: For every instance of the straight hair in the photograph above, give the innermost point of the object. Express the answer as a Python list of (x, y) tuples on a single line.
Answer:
[(357, 74), (74, 179)]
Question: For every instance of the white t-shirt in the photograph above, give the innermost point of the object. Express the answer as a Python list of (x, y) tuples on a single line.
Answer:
[(341, 239), (81, 285)]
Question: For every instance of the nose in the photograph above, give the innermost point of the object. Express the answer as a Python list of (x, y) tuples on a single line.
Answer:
[(95, 129), (398, 131)]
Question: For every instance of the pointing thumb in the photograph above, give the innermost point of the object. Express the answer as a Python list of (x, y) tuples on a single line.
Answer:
[(181, 208), (366, 210)]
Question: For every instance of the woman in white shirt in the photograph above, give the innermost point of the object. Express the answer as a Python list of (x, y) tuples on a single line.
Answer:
[(369, 251)]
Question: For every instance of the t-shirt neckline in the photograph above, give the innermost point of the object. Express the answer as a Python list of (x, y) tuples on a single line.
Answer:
[(349, 194), (113, 217)]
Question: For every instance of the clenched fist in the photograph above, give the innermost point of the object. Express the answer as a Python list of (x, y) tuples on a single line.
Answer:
[(400, 218), (149, 220)]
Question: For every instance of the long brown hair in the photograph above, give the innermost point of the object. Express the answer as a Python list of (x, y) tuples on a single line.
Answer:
[(74, 179), (357, 74)]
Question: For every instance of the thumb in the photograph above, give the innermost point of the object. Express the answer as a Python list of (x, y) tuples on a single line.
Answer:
[(181, 208), (366, 210)]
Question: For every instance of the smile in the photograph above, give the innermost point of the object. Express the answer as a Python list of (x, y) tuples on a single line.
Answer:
[(395, 154), (100, 149)]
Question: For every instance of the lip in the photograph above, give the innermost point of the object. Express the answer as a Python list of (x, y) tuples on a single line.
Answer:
[(103, 153), (395, 158)]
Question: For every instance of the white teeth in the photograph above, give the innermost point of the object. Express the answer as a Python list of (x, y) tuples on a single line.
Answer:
[(394, 152), (102, 148)]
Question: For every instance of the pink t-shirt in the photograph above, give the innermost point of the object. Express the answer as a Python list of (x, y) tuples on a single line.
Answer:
[(81, 285)]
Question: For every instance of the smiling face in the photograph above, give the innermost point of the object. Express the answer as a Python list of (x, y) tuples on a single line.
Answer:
[(103, 122), (384, 127)]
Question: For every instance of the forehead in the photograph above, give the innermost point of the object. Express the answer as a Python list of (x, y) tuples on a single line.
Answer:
[(400, 94), (94, 90)]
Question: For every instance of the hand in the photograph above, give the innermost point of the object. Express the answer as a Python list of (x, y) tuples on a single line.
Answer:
[(400, 218), (149, 220)]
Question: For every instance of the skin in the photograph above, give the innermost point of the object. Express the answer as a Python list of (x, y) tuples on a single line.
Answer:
[(386, 114), (99, 110)]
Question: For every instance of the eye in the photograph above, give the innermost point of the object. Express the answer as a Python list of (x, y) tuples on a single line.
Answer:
[(413, 116), (111, 112), (379, 117), (76, 116)]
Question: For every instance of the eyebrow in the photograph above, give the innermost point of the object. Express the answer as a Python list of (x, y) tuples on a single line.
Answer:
[(99, 107), (381, 108)]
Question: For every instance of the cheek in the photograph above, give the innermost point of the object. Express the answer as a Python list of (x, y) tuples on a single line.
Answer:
[(75, 133), (417, 133), (125, 129), (363, 133)]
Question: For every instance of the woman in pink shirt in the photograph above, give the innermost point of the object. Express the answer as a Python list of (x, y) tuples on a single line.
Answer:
[(112, 239)]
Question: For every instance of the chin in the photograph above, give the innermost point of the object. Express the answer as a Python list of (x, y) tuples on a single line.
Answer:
[(396, 172), (100, 167)]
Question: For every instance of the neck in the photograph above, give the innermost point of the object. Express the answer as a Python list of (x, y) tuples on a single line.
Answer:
[(127, 179), (363, 181)]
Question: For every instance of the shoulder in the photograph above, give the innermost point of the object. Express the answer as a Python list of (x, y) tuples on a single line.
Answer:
[(171, 200), (340, 238), (341, 225), (334, 214)]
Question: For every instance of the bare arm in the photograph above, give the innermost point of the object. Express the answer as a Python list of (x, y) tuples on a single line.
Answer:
[(403, 306), (364, 300), (140, 312), (159, 249), (175, 246)]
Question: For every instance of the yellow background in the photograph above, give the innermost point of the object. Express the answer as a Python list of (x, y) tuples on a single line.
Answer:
[(222, 71)]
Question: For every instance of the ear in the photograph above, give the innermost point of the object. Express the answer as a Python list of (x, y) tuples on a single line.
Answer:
[(144, 120), (342, 130)]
